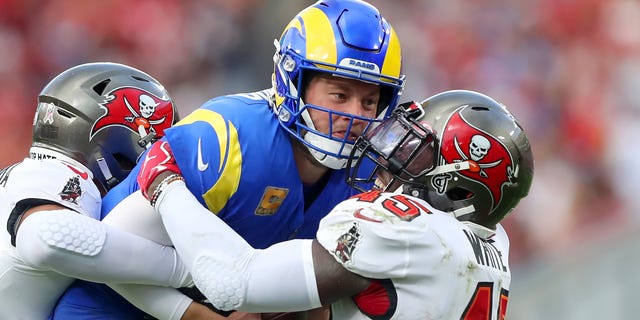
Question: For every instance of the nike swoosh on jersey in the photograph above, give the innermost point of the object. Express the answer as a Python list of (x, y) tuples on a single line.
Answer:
[(82, 174), (358, 214), (201, 165)]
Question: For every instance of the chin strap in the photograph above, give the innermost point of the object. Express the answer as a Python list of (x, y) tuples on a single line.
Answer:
[(147, 138), (110, 180), (480, 231), (323, 143), (451, 167), (462, 211), (326, 160)]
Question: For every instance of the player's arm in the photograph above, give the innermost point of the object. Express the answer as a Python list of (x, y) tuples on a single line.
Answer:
[(37, 208), (227, 270), (53, 237), (164, 302), (333, 280), (233, 275), (134, 214)]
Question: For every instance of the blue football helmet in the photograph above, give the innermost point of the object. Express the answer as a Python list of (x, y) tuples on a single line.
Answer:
[(346, 38)]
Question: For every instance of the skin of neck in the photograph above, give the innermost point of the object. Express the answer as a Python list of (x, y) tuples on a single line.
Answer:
[(310, 170)]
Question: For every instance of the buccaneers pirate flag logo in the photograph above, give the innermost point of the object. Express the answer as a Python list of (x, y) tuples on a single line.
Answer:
[(137, 110), (491, 162), (71, 190)]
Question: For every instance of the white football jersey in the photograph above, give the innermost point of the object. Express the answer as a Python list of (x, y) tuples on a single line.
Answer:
[(429, 265), (27, 292)]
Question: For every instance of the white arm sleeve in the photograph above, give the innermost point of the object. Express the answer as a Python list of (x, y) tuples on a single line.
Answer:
[(80, 247), (227, 270), (160, 302), (134, 214)]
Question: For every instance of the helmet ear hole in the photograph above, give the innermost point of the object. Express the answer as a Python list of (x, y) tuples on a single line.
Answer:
[(124, 162), (459, 193)]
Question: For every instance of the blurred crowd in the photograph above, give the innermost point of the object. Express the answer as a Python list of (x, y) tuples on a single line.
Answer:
[(567, 69)]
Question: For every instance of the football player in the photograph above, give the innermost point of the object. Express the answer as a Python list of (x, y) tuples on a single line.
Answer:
[(271, 163), (86, 138), (426, 243)]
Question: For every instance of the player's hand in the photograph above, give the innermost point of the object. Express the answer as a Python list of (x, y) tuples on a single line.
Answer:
[(158, 160)]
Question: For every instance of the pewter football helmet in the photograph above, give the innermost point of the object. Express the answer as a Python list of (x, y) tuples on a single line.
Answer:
[(101, 116), (461, 151)]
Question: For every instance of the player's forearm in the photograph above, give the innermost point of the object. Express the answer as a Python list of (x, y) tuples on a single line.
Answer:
[(284, 267), (227, 269), (80, 247), (135, 215)]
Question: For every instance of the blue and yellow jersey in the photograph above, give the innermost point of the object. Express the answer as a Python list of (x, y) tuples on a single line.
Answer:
[(238, 162)]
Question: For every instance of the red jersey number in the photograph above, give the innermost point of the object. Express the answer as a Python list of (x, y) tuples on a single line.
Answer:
[(479, 307), (405, 208)]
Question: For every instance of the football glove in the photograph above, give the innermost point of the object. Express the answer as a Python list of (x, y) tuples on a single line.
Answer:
[(159, 159)]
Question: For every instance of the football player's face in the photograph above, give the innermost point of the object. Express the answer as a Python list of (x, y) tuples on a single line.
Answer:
[(383, 180), (344, 95)]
